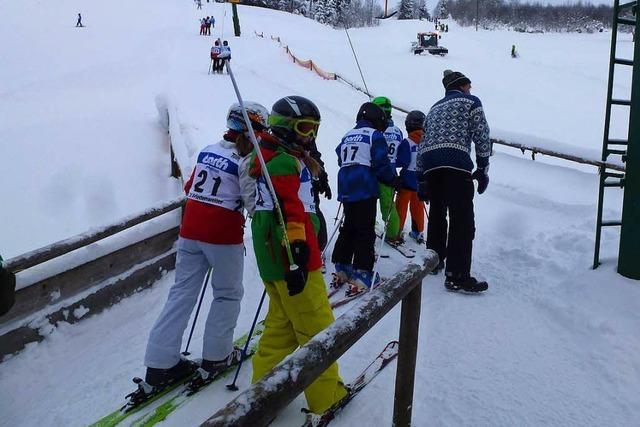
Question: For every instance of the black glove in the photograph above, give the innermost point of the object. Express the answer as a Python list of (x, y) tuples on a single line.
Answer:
[(423, 189), (321, 185), (7, 290), (297, 278), (482, 176)]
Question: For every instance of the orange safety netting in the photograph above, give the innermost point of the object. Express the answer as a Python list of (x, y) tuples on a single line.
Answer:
[(308, 64)]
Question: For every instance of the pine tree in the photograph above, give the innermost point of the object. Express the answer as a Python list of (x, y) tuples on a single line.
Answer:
[(406, 10), (422, 12)]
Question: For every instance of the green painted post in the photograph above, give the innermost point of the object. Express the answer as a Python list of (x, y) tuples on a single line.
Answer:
[(629, 255), (236, 20)]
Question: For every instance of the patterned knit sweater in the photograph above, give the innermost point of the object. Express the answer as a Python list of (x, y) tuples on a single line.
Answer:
[(452, 124)]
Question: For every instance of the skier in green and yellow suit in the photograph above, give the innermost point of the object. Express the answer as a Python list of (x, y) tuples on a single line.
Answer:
[(298, 303), (394, 137)]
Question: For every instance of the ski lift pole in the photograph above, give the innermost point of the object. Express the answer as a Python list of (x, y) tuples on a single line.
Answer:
[(263, 165), (358, 63)]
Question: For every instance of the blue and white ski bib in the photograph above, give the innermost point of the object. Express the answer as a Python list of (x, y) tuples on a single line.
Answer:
[(394, 137), (216, 178), (355, 148)]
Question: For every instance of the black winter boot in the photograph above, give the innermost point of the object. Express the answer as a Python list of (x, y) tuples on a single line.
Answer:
[(464, 283), (161, 378)]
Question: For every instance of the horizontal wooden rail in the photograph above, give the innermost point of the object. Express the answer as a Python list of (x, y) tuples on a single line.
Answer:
[(522, 147), (63, 247), (260, 403)]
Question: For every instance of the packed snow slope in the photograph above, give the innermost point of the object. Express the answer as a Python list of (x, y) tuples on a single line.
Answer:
[(550, 343)]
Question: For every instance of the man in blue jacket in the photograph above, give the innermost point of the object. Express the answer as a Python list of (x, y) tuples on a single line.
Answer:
[(363, 161), (444, 168)]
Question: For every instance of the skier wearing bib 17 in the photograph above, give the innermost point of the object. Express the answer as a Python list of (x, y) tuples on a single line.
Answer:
[(364, 166), (298, 303), (211, 237)]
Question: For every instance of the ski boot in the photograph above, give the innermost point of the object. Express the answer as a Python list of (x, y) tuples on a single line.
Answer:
[(209, 370), (464, 283), (417, 236), (361, 282), (156, 380), (341, 276)]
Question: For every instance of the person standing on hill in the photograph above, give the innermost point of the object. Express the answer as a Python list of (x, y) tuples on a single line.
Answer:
[(215, 56), (211, 238), (79, 23), (393, 136), (364, 170), (444, 168), (225, 55), (298, 303), (408, 197)]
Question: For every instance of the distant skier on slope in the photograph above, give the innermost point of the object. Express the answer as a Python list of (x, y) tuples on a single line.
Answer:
[(211, 237), (444, 168), (225, 55), (364, 169), (514, 54), (79, 23), (298, 303), (215, 56), (408, 196), (393, 136)]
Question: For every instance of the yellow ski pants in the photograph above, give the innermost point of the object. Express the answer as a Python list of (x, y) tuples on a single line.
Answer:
[(290, 323)]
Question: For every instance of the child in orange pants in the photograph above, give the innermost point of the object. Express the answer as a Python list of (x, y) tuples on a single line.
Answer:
[(408, 196)]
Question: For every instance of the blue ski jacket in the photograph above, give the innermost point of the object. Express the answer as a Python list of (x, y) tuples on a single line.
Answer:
[(363, 161)]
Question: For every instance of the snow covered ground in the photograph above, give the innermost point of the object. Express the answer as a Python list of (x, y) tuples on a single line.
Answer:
[(551, 343)]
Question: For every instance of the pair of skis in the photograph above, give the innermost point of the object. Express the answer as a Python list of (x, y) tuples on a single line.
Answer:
[(386, 356), (158, 407)]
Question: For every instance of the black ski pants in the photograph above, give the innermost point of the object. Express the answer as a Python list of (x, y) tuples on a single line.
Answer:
[(451, 191), (357, 238)]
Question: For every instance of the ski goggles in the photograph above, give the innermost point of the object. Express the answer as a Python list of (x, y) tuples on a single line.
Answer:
[(303, 127)]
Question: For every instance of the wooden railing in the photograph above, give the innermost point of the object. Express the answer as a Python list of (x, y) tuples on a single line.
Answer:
[(261, 402)]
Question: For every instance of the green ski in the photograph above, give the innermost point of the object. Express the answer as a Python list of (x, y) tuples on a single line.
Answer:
[(152, 414)]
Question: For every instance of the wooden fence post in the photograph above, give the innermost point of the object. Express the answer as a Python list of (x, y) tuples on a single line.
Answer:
[(406, 371)]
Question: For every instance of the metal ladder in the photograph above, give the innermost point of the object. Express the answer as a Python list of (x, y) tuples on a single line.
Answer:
[(617, 147)]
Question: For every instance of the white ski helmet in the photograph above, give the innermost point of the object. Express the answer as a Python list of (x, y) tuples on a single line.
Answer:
[(258, 116)]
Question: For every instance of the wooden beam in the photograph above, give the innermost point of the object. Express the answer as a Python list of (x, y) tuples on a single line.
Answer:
[(67, 284), (261, 402), (137, 279), (62, 247)]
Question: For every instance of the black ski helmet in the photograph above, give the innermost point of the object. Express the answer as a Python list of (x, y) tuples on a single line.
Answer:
[(374, 115), (287, 110), (415, 120)]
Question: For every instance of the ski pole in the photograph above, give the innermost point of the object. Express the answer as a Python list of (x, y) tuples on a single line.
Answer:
[(424, 206), (333, 234), (210, 65), (357, 63), (193, 325), (384, 235), (265, 172), (233, 385), (337, 214)]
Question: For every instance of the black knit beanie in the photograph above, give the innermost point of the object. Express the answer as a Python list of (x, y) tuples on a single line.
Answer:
[(454, 79)]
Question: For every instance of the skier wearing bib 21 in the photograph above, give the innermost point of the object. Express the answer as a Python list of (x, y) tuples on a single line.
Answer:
[(211, 237), (298, 303), (364, 167)]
